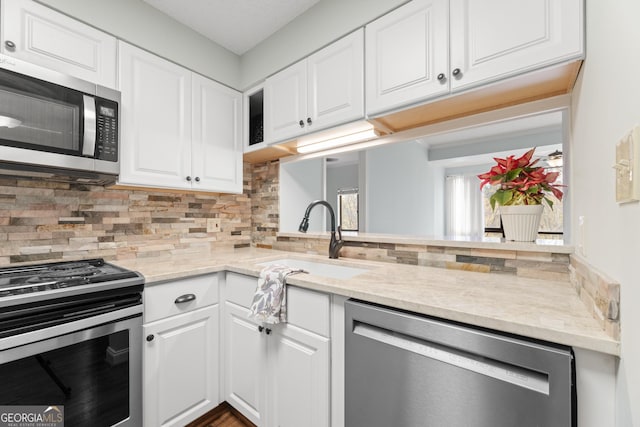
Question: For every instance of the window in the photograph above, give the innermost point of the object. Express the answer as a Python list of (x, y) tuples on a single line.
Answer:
[(469, 211), (348, 209), (464, 206), (551, 222)]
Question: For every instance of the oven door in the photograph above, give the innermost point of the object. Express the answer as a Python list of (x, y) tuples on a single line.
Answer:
[(91, 366)]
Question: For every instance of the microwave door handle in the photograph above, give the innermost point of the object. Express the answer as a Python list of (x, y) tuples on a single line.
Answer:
[(89, 138)]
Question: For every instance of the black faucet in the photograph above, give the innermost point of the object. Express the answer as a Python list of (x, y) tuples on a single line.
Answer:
[(334, 244)]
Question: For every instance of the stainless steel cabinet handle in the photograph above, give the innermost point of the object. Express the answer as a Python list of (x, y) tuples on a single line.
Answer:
[(89, 139), (457, 73), (10, 45), (441, 77), (185, 298), (150, 338)]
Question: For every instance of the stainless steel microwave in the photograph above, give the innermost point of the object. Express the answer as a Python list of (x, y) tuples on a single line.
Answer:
[(52, 124)]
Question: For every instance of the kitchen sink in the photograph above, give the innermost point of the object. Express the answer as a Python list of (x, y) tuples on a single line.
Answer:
[(319, 268)]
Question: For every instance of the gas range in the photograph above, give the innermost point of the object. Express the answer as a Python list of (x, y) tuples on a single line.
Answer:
[(31, 283)]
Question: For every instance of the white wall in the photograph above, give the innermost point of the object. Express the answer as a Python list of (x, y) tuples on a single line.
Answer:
[(606, 104), (400, 188), (322, 24), (300, 184), (142, 25)]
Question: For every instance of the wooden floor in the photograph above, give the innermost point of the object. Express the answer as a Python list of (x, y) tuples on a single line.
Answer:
[(222, 416)]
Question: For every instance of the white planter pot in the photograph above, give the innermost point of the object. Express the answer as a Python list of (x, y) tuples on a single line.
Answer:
[(521, 222)]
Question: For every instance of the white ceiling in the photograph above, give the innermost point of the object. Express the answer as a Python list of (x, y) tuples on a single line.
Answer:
[(238, 25)]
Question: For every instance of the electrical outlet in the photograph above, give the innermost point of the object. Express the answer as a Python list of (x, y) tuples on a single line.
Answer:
[(213, 225), (628, 167), (582, 249)]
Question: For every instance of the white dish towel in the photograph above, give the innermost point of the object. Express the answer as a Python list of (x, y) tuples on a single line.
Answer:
[(270, 300)]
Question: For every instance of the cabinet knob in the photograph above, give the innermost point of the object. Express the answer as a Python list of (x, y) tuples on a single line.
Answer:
[(441, 77), (301, 123), (150, 337), (268, 331), (260, 328), (309, 120), (197, 179), (188, 178), (10, 45), (457, 73)]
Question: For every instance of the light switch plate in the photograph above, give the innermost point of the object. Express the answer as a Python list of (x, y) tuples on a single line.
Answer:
[(628, 167)]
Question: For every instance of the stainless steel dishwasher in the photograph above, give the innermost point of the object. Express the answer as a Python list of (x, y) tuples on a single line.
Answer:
[(407, 370)]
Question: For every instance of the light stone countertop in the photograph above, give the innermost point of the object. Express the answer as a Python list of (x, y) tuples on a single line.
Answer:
[(543, 309)]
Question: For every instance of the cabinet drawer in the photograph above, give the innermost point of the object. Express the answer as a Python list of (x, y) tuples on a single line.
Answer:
[(240, 289), (160, 300), (309, 310), (306, 309)]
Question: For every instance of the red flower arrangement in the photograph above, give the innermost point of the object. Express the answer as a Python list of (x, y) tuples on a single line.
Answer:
[(521, 182)]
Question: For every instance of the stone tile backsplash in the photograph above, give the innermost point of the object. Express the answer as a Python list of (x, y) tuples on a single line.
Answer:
[(44, 221), (600, 294), (50, 221)]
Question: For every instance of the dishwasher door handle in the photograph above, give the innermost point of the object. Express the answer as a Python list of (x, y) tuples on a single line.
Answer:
[(516, 375)]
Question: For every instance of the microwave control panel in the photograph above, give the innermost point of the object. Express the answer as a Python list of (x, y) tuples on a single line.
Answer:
[(107, 130)]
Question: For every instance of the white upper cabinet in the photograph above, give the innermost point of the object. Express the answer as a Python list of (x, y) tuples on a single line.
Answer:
[(493, 39), (179, 129), (430, 48), (407, 56), (335, 83), (216, 149), (323, 90), (285, 96), (42, 36), (155, 120)]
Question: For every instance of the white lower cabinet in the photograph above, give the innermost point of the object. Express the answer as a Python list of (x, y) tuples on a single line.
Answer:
[(181, 351), (298, 378), (244, 363), (278, 375)]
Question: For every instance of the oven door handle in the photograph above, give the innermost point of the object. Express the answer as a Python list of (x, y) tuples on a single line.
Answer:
[(185, 298), (67, 328)]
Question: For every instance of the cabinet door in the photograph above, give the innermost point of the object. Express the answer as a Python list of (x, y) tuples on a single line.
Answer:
[(216, 147), (299, 375), (156, 120), (181, 368), (494, 39), (245, 362), (45, 37), (285, 98), (336, 83), (406, 51)]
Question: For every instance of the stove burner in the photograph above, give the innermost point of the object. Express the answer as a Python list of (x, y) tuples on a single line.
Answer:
[(71, 273), (70, 266), (46, 278)]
